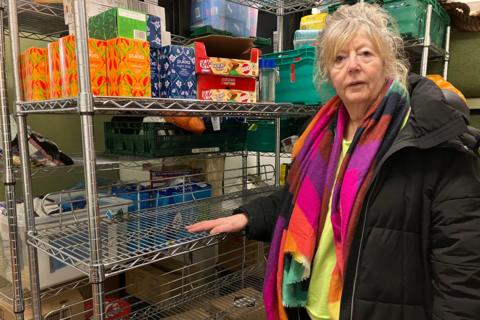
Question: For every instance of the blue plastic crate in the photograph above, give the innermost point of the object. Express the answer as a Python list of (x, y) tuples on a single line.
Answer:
[(141, 197)]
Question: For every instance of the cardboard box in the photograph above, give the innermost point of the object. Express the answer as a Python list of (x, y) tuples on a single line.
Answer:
[(198, 313), (177, 73), (166, 38), (154, 31), (116, 23), (155, 283), (128, 68), (222, 55), (230, 253), (55, 77), (34, 65), (97, 52), (155, 71), (69, 303), (245, 304), (223, 89), (227, 95)]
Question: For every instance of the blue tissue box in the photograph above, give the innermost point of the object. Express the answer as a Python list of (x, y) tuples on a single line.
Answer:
[(177, 72), (155, 71), (154, 31)]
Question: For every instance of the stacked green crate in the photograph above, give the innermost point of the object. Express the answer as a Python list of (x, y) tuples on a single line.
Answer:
[(411, 17), (165, 139), (296, 82)]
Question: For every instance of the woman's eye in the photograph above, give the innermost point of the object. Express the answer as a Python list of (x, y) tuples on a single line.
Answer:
[(339, 59), (366, 53)]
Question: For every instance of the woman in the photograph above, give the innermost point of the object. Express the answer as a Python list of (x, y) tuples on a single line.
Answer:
[(381, 215)]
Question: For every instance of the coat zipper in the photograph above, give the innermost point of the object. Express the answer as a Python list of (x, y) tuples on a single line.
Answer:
[(372, 188)]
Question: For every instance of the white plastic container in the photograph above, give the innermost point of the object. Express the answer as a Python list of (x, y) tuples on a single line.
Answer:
[(52, 272)]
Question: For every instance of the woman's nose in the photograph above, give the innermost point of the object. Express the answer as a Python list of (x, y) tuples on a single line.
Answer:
[(353, 63)]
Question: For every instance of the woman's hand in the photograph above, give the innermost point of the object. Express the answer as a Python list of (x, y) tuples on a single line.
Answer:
[(233, 223)]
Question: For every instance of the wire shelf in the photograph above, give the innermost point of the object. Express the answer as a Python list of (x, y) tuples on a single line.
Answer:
[(170, 107), (414, 48), (39, 21), (288, 6), (175, 286), (140, 238)]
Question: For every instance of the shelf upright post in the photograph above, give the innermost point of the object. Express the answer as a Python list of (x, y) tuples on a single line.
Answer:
[(447, 54), (426, 42), (85, 103), (280, 17), (25, 162), (9, 183)]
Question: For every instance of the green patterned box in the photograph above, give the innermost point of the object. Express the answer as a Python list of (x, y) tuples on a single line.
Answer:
[(117, 22)]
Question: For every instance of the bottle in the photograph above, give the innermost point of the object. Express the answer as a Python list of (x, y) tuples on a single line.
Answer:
[(268, 79)]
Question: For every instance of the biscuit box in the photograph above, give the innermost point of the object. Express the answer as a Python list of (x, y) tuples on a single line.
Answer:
[(155, 71), (177, 72), (154, 31), (226, 89), (55, 77), (34, 72), (211, 61), (118, 23), (97, 54), (128, 68)]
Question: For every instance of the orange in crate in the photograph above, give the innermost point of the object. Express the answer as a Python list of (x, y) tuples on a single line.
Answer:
[(34, 70), (55, 78), (97, 53), (128, 68)]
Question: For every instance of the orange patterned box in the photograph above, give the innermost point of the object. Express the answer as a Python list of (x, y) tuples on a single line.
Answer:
[(128, 68), (97, 53), (34, 69), (55, 78)]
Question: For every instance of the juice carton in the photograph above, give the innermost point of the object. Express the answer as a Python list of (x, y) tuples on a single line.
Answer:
[(177, 72), (97, 53), (128, 68), (155, 71), (55, 77), (118, 23), (154, 31), (34, 65)]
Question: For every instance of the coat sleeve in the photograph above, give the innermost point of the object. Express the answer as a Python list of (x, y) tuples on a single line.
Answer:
[(262, 214), (455, 241)]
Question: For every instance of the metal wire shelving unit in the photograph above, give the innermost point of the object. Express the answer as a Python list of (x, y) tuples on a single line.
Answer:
[(90, 253)]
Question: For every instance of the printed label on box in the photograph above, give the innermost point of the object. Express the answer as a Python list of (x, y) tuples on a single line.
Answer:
[(231, 67), (35, 70), (227, 95), (155, 71), (55, 77), (129, 68), (154, 31), (177, 73), (97, 51)]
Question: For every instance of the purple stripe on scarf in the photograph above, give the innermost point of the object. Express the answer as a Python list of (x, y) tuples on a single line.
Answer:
[(270, 282)]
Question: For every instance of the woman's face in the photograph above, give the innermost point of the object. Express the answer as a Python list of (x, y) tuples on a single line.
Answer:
[(357, 73)]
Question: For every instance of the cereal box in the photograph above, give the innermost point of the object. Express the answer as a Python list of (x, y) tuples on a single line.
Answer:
[(177, 72), (97, 51), (154, 31), (155, 71), (118, 23), (128, 68), (34, 67), (55, 78)]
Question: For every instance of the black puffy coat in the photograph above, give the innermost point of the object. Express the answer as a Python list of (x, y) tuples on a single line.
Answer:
[(416, 249)]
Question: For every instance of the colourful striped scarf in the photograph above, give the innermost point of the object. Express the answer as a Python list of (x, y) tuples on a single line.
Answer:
[(311, 183)]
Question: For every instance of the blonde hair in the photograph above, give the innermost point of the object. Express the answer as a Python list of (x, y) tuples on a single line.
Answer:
[(345, 23)]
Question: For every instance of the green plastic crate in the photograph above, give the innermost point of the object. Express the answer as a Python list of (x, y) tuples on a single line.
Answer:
[(164, 139), (296, 84), (411, 16), (261, 133)]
